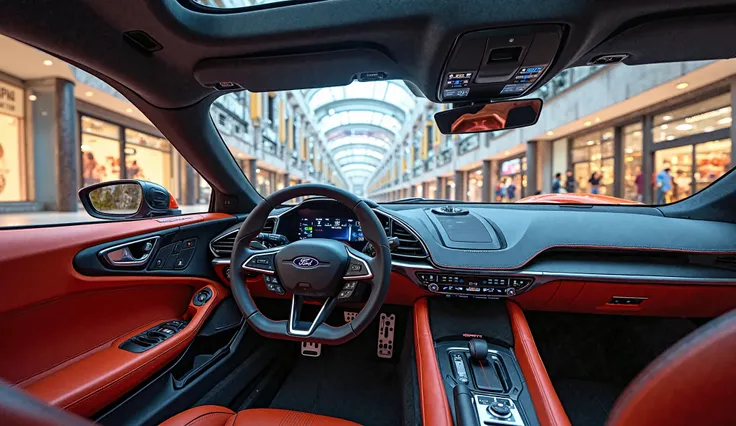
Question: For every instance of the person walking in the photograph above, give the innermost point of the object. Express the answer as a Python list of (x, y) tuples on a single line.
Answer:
[(569, 182), (511, 191), (639, 182), (557, 183), (663, 185), (595, 183)]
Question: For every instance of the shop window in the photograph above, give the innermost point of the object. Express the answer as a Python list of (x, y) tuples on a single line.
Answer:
[(677, 184), (147, 157), (100, 146), (633, 181), (702, 117), (475, 185), (712, 160), (511, 181), (593, 154), (12, 187)]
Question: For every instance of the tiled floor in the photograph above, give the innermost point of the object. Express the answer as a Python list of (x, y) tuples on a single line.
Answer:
[(43, 218)]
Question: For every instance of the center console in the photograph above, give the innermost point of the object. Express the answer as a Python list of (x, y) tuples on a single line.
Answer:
[(473, 343)]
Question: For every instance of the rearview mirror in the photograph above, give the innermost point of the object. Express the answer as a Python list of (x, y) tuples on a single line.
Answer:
[(489, 117), (127, 199)]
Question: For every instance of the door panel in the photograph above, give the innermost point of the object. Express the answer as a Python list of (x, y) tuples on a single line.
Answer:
[(61, 329)]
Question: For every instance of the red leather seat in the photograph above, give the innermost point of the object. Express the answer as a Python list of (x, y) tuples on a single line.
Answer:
[(693, 382), (213, 415)]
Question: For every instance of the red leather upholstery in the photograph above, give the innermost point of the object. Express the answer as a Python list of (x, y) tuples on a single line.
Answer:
[(212, 415), (546, 402), (693, 382)]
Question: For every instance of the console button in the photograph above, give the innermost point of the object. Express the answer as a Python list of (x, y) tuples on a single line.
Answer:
[(262, 262), (356, 269), (500, 408), (177, 247), (163, 255), (190, 243), (182, 261)]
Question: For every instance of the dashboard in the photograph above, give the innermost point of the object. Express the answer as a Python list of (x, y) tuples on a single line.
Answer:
[(491, 251)]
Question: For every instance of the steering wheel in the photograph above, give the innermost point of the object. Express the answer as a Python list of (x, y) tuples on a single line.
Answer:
[(316, 269)]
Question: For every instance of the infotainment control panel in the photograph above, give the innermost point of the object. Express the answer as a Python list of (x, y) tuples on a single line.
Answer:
[(475, 286)]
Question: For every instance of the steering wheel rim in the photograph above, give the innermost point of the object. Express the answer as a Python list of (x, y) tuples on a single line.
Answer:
[(283, 262)]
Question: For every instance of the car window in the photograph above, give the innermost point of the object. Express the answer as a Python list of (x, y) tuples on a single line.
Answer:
[(41, 170), (649, 134)]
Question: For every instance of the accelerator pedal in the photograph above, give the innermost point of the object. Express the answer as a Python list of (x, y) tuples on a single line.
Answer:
[(312, 350), (386, 336), (349, 316)]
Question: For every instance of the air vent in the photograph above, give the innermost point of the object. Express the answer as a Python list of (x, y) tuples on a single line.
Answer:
[(410, 246), (270, 225), (223, 246), (726, 262)]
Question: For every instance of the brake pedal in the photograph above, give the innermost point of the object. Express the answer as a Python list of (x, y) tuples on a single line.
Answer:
[(386, 336), (349, 316), (311, 349)]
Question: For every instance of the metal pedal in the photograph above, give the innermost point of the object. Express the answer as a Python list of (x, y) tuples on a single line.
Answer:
[(311, 349), (386, 336), (349, 316)]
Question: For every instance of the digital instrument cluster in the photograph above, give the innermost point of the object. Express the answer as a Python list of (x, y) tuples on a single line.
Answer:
[(334, 228)]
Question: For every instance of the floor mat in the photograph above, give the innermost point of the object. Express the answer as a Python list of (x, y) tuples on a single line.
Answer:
[(586, 402), (346, 384)]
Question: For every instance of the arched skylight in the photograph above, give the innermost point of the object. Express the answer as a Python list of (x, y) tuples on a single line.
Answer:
[(361, 121)]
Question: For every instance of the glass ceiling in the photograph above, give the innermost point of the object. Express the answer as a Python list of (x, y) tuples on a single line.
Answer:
[(361, 121)]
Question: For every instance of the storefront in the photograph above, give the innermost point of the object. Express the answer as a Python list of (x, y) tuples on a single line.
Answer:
[(694, 143), (592, 162), (12, 153), (474, 185), (105, 146), (511, 180)]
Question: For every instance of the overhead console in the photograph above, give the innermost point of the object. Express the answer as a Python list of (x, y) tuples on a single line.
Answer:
[(498, 63)]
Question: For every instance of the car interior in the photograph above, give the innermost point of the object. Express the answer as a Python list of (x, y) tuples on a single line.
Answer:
[(339, 310)]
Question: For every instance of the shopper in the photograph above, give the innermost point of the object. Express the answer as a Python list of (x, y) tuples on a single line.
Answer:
[(569, 182), (595, 182), (500, 190), (557, 184), (639, 182), (511, 191), (663, 184)]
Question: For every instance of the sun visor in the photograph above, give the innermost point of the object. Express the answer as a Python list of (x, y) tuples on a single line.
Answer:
[(672, 39), (298, 71)]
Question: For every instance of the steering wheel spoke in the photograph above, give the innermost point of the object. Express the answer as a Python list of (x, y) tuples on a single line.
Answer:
[(360, 266), (261, 261), (300, 328)]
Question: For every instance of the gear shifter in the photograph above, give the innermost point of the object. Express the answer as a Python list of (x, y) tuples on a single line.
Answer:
[(478, 349)]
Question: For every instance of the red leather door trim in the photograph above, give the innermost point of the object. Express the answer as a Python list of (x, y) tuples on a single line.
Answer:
[(433, 400), (546, 402), (97, 380)]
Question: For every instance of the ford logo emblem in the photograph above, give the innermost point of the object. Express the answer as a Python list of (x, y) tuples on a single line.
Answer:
[(306, 262)]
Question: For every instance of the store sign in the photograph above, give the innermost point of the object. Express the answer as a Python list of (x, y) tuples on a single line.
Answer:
[(11, 100), (511, 167)]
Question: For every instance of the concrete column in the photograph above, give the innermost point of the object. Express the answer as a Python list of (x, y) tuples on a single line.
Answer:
[(619, 164), (494, 180), (439, 190), (486, 191), (287, 181), (531, 168), (460, 185), (190, 180), (647, 159), (544, 166), (425, 190), (56, 154), (252, 175), (412, 191)]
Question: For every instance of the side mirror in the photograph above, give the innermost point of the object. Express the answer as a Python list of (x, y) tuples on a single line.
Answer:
[(489, 117), (127, 199)]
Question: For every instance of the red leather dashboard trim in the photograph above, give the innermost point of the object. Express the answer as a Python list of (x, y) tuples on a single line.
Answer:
[(97, 380), (546, 402), (433, 400), (697, 300)]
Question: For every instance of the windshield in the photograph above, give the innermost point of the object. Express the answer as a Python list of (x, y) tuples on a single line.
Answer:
[(615, 134)]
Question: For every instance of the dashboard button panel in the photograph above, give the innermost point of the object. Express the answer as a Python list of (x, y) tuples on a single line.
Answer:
[(481, 286)]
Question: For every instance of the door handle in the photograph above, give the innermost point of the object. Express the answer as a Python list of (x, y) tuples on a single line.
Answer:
[(134, 253)]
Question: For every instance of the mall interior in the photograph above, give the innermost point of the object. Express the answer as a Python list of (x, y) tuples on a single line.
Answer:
[(62, 129)]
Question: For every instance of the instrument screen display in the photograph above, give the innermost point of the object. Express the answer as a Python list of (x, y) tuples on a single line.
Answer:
[(334, 228)]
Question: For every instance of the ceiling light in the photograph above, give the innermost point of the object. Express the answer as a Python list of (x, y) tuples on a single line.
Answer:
[(681, 86), (684, 127), (664, 127), (670, 137), (241, 155), (479, 172), (331, 111), (597, 119), (708, 129), (506, 153), (480, 184), (667, 118), (129, 110), (473, 181), (550, 133), (89, 94), (258, 170), (724, 120), (32, 97), (637, 133), (587, 123), (591, 142), (48, 63), (629, 150)]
